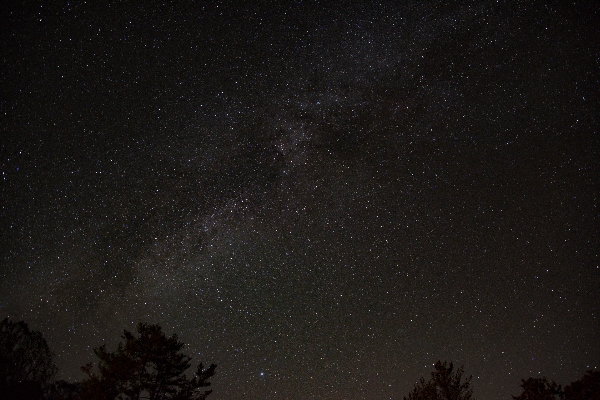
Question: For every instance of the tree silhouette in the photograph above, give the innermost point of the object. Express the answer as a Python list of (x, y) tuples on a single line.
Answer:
[(26, 363), (444, 384), (63, 390), (539, 389), (149, 366), (586, 388)]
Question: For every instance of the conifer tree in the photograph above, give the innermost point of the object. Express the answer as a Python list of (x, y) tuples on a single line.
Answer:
[(444, 384), (148, 366)]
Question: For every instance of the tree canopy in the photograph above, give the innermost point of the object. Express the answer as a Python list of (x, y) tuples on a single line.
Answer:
[(586, 388), (539, 389), (444, 384), (26, 362), (148, 366)]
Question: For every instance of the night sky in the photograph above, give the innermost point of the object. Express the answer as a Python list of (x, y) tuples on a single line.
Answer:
[(321, 200)]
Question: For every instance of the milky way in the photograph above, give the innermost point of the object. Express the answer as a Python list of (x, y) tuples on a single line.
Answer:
[(322, 201)]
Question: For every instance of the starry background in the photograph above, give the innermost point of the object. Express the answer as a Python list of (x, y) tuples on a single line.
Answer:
[(322, 200)]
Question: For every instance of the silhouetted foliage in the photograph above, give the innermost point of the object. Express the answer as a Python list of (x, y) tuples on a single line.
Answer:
[(444, 384), (149, 366), (63, 390), (26, 363), (539, 389), (586, 388)]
